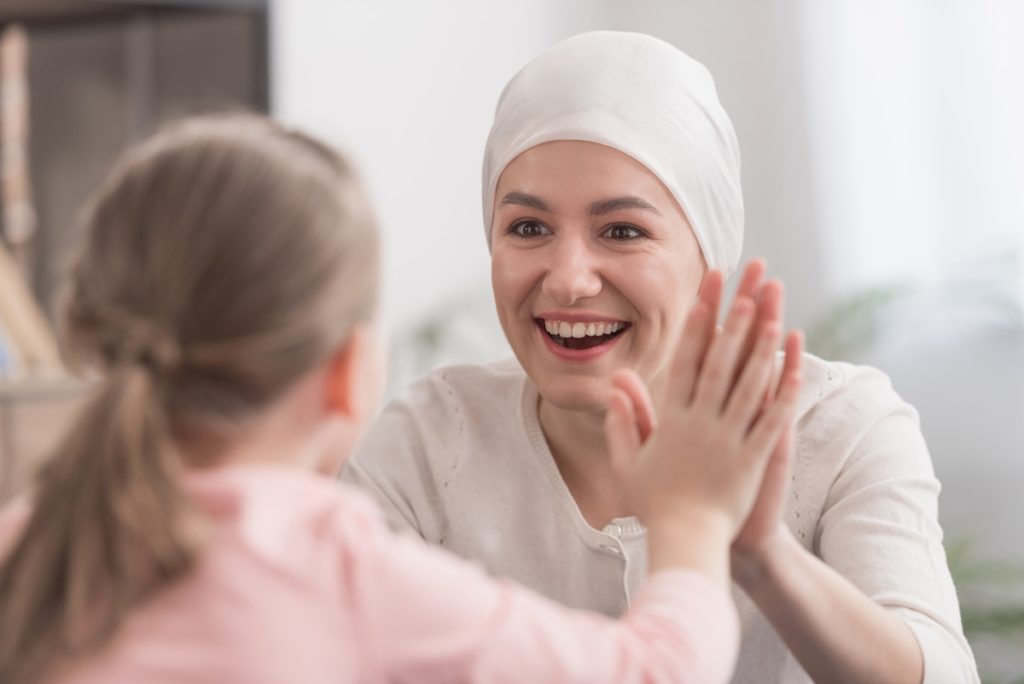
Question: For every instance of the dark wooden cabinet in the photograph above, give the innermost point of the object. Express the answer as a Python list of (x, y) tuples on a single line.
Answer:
[(101, 75)]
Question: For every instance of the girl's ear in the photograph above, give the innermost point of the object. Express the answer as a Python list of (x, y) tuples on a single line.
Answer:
[(356, 376)]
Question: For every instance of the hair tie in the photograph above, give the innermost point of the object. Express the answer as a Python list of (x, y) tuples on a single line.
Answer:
[(140, 342)]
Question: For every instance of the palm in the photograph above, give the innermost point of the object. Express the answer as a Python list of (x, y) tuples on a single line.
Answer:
[(765, 517)]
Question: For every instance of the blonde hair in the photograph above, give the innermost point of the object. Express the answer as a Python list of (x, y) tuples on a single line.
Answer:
[(224, 258)]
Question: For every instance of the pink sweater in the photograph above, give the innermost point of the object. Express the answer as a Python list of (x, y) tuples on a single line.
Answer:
[(303, 583)]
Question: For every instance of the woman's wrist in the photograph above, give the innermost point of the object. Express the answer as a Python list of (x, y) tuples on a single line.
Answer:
[(692, 539), (757, 568)]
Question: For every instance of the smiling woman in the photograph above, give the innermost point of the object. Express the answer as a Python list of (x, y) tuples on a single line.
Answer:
[(612, 204), (587, 236)]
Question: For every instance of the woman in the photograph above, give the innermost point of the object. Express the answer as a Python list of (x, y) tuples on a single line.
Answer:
[(611, 185)]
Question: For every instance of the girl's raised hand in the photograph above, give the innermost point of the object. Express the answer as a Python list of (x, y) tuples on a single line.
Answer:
[(703, 465)]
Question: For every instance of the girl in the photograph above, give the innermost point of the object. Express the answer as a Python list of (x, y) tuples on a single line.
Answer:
[(225, 289)]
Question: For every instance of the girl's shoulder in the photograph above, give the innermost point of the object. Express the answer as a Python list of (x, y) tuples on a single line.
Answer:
[(277, 500), (290, 519)]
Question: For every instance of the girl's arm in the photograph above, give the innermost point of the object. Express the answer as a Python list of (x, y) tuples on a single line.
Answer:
[(430, 617)]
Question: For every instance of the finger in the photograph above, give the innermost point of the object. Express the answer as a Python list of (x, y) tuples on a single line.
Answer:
[(781, 413), (747, 396), (769, 298), (789, 356), (794, 348), (711, 286), (711, 291), (643, 406), (776, 477), (770, 305), (621, 432), (698, 331), (750, 286), (718, 369), (750, 283)]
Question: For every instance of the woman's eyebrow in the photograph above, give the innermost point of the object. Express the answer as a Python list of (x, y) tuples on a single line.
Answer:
[(526, 200), (607, 206)]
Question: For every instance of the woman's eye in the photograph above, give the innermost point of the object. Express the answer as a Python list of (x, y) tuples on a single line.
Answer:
[(624, 232), (528, 229)]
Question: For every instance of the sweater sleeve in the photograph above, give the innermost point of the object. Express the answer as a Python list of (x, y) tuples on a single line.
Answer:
[(880, 528), (426, 616)]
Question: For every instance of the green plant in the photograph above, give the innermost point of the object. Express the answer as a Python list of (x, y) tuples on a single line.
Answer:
[(853, 323), (991, 592), (991, 597)]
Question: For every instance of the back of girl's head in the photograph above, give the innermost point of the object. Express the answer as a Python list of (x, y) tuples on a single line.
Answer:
[(222, 260), (228, 256)]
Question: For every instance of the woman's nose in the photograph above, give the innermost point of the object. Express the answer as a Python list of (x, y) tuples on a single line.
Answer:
[(572, 272)]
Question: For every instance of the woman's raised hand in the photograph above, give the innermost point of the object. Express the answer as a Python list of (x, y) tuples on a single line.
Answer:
[(697, 475)]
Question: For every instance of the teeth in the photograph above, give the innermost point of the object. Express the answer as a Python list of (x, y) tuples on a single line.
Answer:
[(577, 330)]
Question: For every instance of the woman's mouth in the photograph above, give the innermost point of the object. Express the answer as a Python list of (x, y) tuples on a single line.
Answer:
[(579, 335)]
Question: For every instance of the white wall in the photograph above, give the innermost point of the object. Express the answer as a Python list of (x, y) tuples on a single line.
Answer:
[(408, 89)]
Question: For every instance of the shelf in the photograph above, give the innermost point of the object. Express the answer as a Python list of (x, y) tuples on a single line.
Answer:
[(34, 415), (59, 10)]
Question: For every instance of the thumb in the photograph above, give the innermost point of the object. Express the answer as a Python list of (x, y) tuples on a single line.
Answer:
[(640, 398), (621, 432)]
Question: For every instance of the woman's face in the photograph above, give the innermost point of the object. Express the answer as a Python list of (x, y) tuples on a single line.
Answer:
[(594, 267)]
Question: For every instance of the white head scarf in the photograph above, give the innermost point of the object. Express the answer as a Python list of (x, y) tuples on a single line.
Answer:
[(643, 97)]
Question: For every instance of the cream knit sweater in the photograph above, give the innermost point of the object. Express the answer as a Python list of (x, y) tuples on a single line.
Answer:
[(460, 459)]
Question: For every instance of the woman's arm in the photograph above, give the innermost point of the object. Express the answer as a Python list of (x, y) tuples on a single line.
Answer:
[(879, 605), (836, 632)]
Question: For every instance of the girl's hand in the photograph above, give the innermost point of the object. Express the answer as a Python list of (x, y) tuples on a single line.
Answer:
[(704, 465)]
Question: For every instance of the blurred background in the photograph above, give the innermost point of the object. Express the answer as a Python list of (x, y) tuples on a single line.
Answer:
[(883, 173)]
